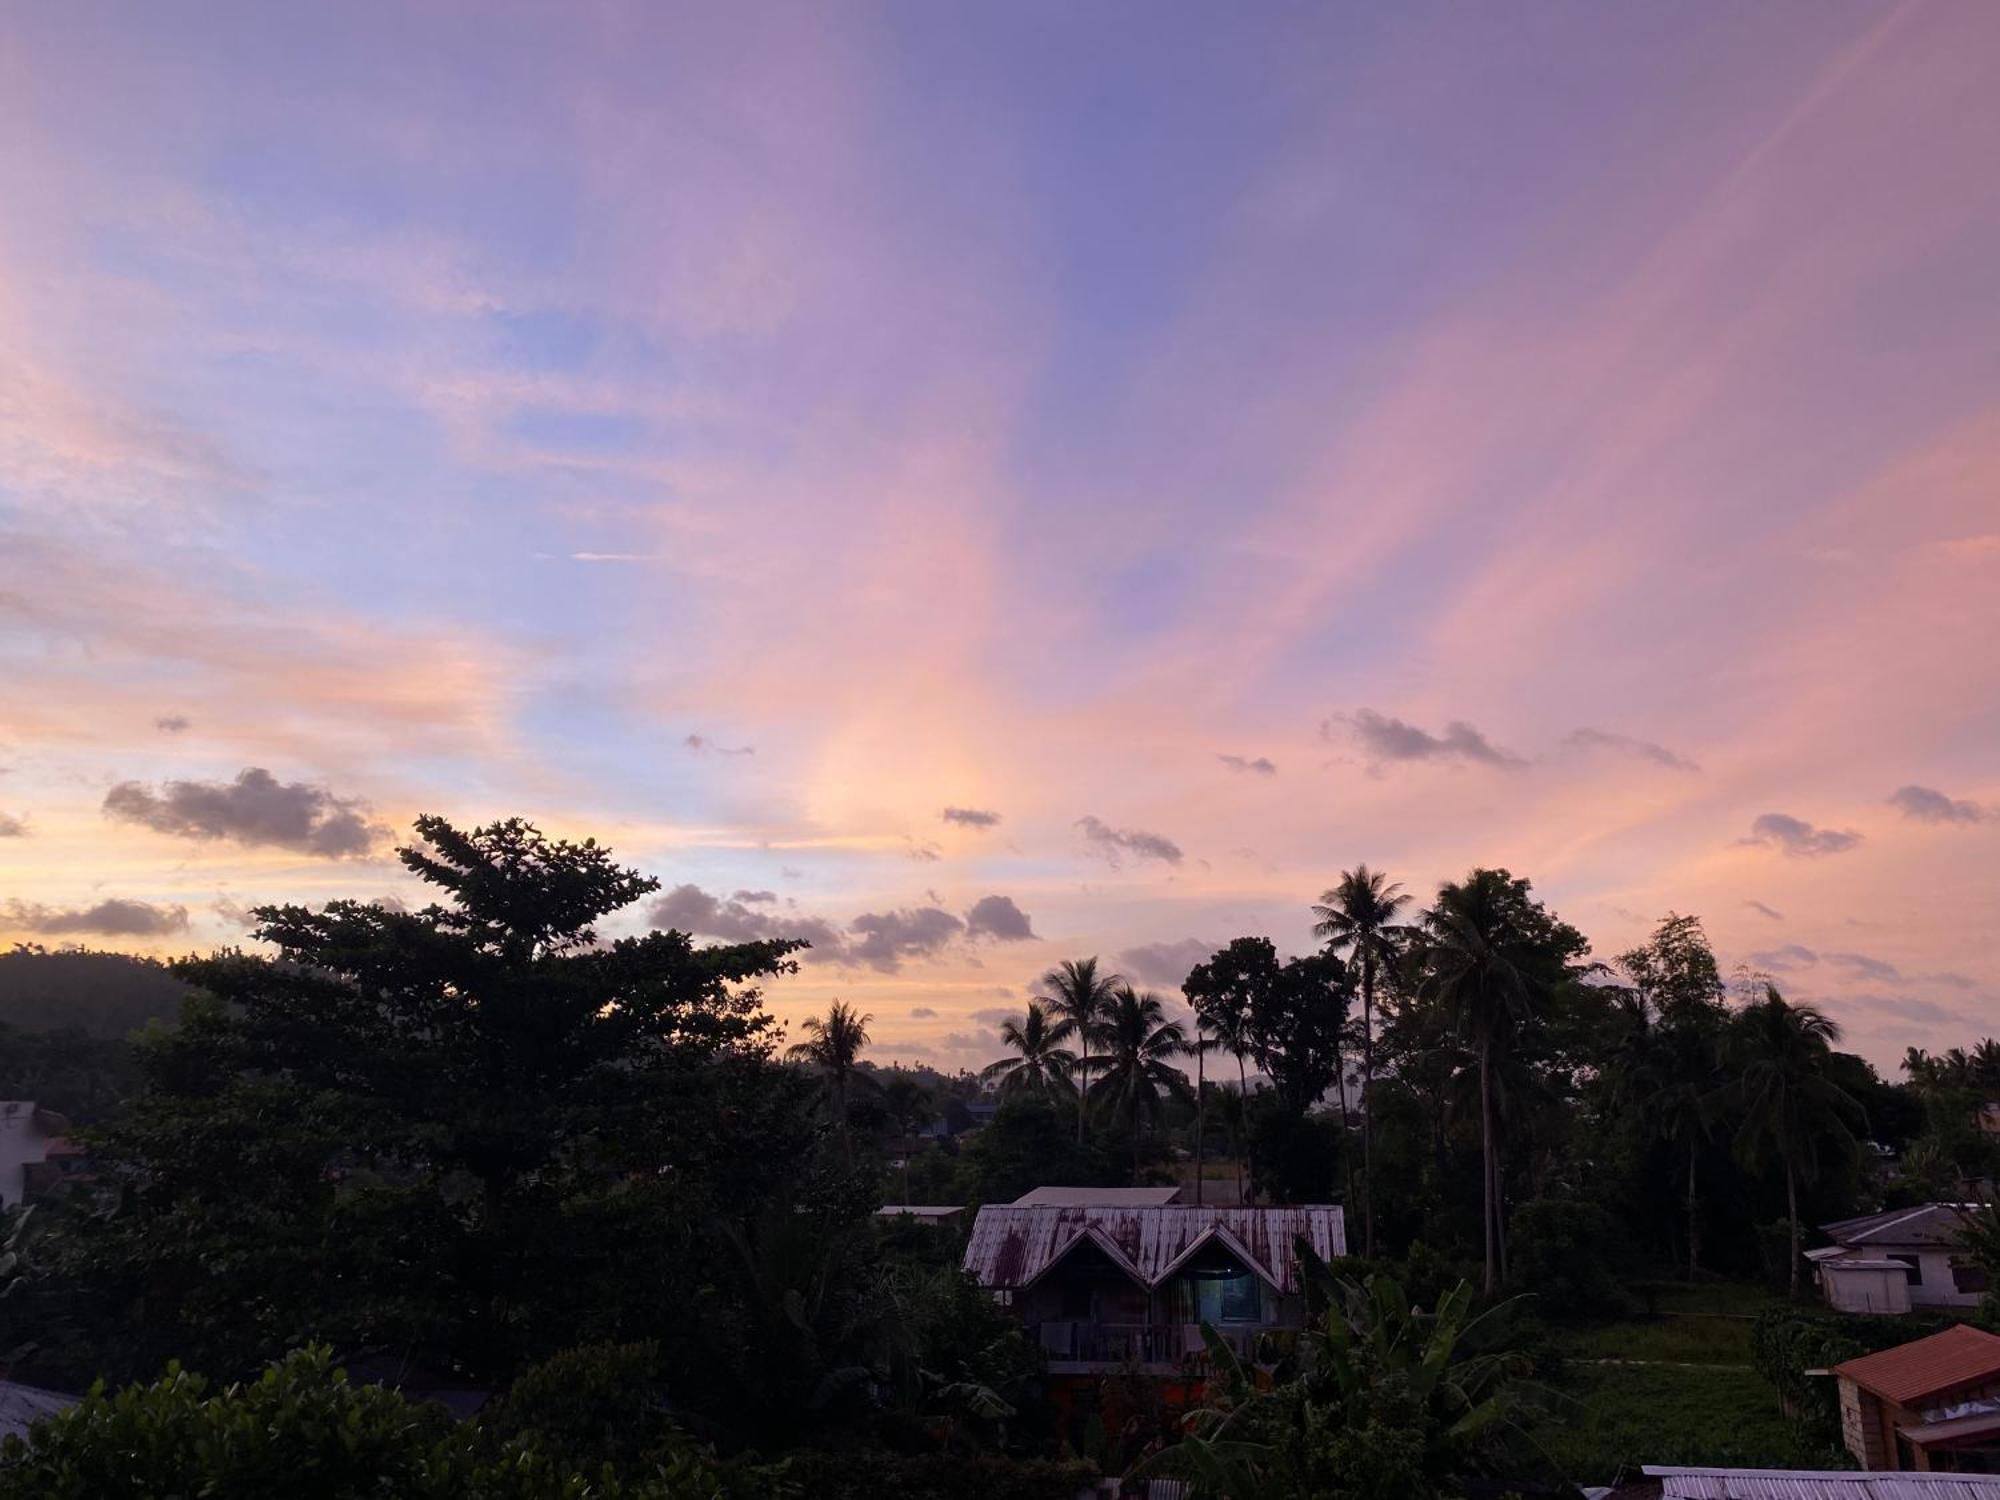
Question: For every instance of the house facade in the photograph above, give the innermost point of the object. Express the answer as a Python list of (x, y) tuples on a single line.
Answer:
[(35, 1151), (1931, 1405), (1104, 1286), (1894, 1261)]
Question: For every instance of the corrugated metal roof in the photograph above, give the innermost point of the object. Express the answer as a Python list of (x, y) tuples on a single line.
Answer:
[(1819, 1484), (21, 1406), (1961, 1355), (1094, 1197), (1013, 1245), (1926, 1224)]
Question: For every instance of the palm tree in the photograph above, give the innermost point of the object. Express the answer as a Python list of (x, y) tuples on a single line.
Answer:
[(1491, 976), (1665, 1074), (1790, 1105), (1042, 1065), (834, 1048), (909, 1107), (1080, 995), (1139, 1043), (1359, 916)]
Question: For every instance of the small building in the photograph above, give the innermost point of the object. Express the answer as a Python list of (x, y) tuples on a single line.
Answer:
[(1658, 1482), (1104, 1285), (1890, 1262), (35, 1150), (1931, 1405)]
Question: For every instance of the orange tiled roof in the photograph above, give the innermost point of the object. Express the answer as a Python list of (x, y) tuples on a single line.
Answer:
[(1961, 1355)]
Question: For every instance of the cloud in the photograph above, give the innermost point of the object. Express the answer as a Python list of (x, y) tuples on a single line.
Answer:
[(692, 910), (922, 853), (753, 898), (173, 724), (1785, 960), (113, 918), (701, 744), (12, 827), (1927, 806), (1798, 838), (1111, 844), (994, 1015), (255, 809), (1383, 739), (883, 939), (970, 817), (1261, 766), (1624, 744), (1861, 963), (999, 918), (1908, 1008), (1765, 911), (1165, 963), (922, 1013)]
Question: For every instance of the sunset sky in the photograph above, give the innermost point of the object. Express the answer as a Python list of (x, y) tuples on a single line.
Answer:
[(986, 485)]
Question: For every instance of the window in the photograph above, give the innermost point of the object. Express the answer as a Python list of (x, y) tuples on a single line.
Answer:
[(1967, 1277), (1240, 1300)]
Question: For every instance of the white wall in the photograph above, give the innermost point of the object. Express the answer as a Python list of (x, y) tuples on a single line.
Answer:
[(1863, 1289), (21, 1142), (1937, 1288)]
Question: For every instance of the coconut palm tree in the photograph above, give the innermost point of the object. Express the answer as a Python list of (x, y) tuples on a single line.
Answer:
[(909, 1107), (1139, 1076), (1790, 1106), (1041, 1065), (1080, 993), (1490, 968), (1359, 916), (834, 1047), (1666, 1074)]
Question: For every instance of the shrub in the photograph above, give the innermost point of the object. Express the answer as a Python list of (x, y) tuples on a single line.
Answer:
[(1562, 1251), (587, 1406), (871, 1474)]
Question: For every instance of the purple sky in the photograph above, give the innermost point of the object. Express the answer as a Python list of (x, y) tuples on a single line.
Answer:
[(1204, 447)]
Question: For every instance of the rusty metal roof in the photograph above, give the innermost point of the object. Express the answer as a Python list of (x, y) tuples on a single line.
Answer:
[(1961, 1355), (1819, 1484), (1012, 1245)]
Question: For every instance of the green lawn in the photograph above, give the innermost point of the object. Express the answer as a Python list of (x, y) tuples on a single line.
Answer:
[(1675, 1387)]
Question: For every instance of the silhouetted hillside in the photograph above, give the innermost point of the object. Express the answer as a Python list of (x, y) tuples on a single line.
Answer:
[(104, 994)]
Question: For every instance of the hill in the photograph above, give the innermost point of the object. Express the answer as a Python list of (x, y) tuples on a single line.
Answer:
[(104, 994)]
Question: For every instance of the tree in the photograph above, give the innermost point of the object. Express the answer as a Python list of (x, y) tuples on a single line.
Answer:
[(1220, 991), (1139, 1075), (1493, 957), (833, 1048), (1080, 994), (1041, 1064), (1789, 1106), (1358, 915), (1675, 972), (468, 1130), (910, 1107)]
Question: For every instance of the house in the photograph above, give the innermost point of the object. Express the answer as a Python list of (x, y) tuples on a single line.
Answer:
[(34, 1150), (1891, 1262), (1931, 1405), (1101, 1285), (21, 1406), (1660, 1483)]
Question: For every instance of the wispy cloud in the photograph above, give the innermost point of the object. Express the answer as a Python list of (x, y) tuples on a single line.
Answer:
[(1384, 740), (1925, 805), (113, 918), (701, 744), (1765, 911), (1625, 744), (1798, 838), (1165, 963), (1260, 765), (970, 817), (1112, 844)]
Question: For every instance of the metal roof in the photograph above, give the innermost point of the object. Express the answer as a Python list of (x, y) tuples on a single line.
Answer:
[(1819, 1484), (1926, 1224), (1097, 1197), (1013, 1245), (1961, 1355), (21, 1406)]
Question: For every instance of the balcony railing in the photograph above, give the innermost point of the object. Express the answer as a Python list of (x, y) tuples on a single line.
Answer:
[(1143, 1343)]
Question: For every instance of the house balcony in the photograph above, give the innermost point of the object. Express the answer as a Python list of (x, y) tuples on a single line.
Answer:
[(1079, 1348)]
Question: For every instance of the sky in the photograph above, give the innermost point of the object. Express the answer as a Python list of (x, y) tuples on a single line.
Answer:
[(975, 486)]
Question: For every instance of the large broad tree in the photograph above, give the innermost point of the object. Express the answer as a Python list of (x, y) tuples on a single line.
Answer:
[(1494, 958), (1358, 917), (475, 1130)]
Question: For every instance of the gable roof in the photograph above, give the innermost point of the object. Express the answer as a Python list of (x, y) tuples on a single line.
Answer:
[(1013, 1245), (1926, 1224), (1819, 1484), (1961, 1355), (1095, 1197)]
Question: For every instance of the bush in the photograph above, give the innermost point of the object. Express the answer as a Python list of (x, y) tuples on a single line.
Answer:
[(588, 1406), (872, 1474), (1786, 1342), (302, 1428), (1562, 1251)]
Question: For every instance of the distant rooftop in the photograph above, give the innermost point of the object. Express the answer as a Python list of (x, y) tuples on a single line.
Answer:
[(1926, 1224), (933, 1212), (1098, 1197), (1013, 1245), (1816, 1484), (21, 1406)]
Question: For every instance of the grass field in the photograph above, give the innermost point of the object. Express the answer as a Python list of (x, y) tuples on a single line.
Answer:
[(1675, 1387)]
